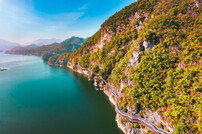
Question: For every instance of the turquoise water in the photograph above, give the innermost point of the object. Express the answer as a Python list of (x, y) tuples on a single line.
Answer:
[(38, 99)]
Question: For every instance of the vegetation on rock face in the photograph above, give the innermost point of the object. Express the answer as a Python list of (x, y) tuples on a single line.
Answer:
[(153, 58), (59, 59), (123, 17), (85, 47)]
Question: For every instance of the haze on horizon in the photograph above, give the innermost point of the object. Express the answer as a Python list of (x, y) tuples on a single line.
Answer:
[(24, 21)]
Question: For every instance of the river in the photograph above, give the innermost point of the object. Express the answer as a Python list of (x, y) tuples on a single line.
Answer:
[(38, 99)]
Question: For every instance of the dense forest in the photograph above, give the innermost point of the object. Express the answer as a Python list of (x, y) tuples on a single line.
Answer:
[(150, 52)]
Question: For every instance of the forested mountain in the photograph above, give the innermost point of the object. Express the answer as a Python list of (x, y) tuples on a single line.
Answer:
[(150, 52), (68, 45)]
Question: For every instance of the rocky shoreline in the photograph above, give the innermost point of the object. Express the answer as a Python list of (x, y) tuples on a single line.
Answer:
[(125, 125), (99, 87), (111, 99)]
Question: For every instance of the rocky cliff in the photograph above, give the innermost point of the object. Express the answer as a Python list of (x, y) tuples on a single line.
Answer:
[(150, 52)]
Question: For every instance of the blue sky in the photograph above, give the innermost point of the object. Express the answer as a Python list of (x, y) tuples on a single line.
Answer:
[(23, 21)]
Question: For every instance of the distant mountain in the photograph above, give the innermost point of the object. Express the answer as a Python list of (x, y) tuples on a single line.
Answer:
[(41, 42), (31, 46), (6, 45), (59, 56), (74, 40), (32, 49), (69, 45), (19, 48)]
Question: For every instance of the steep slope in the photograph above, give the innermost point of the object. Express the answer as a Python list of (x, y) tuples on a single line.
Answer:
[(150, 52)]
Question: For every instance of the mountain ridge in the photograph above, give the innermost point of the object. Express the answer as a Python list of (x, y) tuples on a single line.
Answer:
[(6, 45), (40, 50), (41, 42)]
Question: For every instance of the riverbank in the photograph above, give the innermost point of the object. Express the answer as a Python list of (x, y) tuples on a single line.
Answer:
[(111, 93)]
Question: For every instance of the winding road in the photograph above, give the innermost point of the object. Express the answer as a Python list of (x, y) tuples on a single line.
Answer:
[(124, 115)]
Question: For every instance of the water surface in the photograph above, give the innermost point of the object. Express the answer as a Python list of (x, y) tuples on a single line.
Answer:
[(38, 99)]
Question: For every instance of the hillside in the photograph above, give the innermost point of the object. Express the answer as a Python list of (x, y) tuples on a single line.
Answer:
[(68, 45), (150, 52)]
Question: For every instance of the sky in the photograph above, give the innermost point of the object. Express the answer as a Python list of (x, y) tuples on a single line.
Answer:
[(23, 21)]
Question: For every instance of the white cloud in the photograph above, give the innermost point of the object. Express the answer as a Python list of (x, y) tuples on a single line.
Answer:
[(22, 24), (85, 6)]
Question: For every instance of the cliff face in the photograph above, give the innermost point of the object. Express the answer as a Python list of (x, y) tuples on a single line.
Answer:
[(150, 53)]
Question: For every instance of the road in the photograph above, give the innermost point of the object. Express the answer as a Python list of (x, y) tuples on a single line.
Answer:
[(124, 115)]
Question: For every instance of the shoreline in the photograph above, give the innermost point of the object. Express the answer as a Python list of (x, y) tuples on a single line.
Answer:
[(119, 114), (125, 127), (105, 92), (112, 101)]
